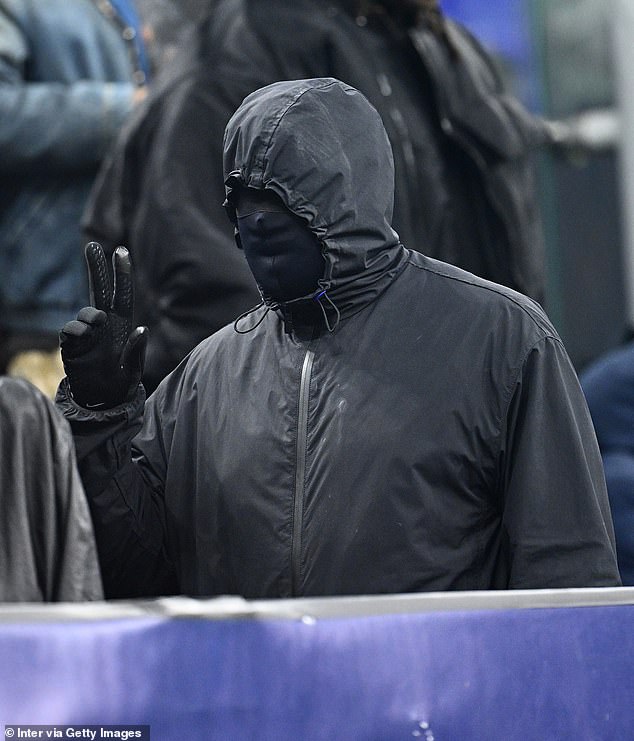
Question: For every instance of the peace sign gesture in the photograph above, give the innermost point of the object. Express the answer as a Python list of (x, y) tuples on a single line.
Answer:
[(102, 351)]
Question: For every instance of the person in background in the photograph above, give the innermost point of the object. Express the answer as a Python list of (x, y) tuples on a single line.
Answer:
[(382, 422), (608, 384), (462, 146), (70, 74), (164, 22), (47, 543)]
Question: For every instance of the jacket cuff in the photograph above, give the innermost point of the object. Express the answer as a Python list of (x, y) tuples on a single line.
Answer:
[(76, 413)]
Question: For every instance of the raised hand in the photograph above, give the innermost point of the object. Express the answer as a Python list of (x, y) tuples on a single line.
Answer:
[(102, 351)]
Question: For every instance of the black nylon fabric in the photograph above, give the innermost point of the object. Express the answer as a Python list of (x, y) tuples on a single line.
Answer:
[(437, 439), (47, 545)]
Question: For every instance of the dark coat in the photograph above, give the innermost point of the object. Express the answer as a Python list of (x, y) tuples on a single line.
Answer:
[(47, 545), (462, 148), (410, 427)]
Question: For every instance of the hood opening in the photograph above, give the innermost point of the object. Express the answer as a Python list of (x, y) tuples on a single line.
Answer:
[(322, 149)]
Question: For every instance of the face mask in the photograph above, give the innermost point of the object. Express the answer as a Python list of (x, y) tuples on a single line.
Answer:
[(283, 254)]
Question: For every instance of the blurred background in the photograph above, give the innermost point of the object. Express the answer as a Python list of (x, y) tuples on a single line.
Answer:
[(570, 60)]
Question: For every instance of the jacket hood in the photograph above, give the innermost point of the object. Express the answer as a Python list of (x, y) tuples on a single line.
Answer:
[(322, 148)]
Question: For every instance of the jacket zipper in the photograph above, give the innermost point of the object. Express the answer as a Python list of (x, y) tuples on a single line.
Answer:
[(300, 471)]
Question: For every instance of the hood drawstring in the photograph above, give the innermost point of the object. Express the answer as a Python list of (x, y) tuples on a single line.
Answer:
[(317, 297), (248, 313)]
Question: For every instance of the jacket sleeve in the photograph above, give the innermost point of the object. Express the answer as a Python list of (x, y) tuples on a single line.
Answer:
[(556, 515), (125, 498), (62, 126), (79, 577)]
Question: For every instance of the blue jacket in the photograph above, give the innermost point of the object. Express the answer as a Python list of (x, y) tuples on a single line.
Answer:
[(67, 78), (609, 388)]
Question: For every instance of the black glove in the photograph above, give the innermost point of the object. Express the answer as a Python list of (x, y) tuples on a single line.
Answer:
[(102, 353)]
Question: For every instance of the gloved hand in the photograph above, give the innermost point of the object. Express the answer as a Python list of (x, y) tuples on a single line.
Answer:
[(102, 353)]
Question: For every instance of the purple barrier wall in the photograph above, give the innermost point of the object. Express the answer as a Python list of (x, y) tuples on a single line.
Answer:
[(544, 673)]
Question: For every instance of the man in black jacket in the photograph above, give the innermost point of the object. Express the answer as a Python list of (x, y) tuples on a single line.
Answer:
[(462, 148), (382, 422)]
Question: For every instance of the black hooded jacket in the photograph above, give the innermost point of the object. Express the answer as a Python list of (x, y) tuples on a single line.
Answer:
[(464, 178), (408, 427)]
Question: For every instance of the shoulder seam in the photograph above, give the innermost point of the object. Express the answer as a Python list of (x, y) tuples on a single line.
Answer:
[(491, 289)]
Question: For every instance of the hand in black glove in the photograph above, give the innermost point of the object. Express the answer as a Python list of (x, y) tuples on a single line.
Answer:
[(102, 352)]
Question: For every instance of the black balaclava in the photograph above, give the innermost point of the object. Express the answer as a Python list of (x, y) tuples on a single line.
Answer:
[(283, 254)]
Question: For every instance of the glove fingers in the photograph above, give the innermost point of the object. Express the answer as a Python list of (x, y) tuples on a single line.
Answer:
[(74, 330), (133, 355), (78, 336), (90, 315), (98, 277), (123, 300)]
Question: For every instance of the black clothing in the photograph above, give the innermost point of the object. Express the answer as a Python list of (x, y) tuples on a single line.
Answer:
[(102, 353), (435, 439), (464, 180), (47, 545)]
